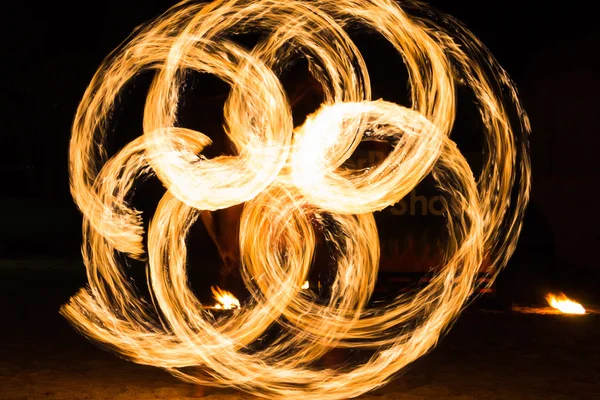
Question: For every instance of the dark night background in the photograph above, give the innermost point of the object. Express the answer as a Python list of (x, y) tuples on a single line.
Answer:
[(52, 49)]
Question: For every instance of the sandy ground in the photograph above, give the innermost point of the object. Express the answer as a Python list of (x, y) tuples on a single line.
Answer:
[(489, 354)]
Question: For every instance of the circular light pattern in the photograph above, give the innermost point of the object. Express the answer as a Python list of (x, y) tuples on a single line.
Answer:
[(289, 180)]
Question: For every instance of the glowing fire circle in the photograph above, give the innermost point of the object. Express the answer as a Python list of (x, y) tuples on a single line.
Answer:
[(289, 178)]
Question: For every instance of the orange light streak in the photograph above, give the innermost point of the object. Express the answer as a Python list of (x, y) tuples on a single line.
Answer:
[(288, 178)]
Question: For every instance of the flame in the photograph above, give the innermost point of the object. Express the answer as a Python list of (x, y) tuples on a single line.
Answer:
[(225, 300), (564, 304), (288, 177), (305, 285)]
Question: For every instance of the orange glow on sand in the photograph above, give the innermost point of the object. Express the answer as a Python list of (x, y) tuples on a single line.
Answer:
[(291, 179)]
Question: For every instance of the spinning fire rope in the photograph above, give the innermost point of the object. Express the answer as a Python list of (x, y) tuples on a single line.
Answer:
[(289, 179)]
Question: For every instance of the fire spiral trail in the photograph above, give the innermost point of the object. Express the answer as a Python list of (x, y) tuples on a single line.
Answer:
[(289, 179)]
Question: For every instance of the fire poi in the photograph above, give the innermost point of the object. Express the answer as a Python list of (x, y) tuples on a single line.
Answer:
[(288, 179)]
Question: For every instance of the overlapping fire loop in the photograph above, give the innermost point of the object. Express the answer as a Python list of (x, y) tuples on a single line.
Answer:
[(288, 179)]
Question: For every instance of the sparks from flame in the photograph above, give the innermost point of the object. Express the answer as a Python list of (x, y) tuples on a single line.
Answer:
[(278, 173), (563, 304)]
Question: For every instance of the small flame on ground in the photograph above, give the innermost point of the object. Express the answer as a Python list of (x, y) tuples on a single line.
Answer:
[(225, 300), (564, 304), (305, 285)]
